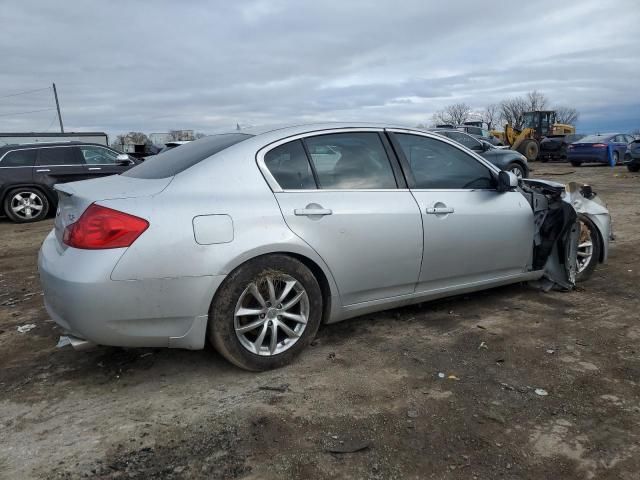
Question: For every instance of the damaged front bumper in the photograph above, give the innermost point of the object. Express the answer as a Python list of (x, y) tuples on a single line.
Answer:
[(557, 209)]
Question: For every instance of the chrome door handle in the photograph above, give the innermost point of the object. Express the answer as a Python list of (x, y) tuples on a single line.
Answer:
[(41, 170), (439, 210), (312, 211), (95, 168)]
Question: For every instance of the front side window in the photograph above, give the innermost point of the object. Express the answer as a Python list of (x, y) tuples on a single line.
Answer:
[(98, 156), (53, 156), (289, 165), (351, 161), (19, 158), (438, 165)]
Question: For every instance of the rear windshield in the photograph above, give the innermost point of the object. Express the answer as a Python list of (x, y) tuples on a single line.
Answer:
[(170, 163), (595, 138)]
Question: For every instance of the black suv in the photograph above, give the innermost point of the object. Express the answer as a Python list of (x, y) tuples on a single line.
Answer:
[(28, 173)]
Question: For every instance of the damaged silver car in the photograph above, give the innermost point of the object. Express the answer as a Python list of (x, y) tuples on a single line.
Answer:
[(252, 239)]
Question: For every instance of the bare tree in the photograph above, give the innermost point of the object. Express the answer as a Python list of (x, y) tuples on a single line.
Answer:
[(455, 114), (512, 111), (566, 115), (536, 101), (136, 138), (491, 115)]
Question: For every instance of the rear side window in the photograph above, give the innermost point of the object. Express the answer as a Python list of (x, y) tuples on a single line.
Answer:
[(464, 139), (176, 160), (351, 161), (438, 165), (19, 158), (289, 165), (53, 156)]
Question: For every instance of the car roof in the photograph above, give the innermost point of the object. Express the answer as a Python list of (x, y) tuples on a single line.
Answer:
[(21, 146), (295, 129)]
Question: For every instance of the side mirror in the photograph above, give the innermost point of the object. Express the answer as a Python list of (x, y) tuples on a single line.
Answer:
[(506, 181), (123, 159)]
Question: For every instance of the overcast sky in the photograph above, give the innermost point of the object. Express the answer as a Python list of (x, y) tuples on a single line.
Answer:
[(205, 65)]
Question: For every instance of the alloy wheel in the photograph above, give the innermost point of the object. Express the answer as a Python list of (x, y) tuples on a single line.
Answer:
[(26, 205), (585, 247), (271, 314)]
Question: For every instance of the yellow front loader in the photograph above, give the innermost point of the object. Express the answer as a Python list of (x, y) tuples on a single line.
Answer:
[(536, 125)]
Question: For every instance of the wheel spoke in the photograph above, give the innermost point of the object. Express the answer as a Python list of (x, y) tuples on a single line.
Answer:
[(18, 208), (290, 333), (273, 343), (584, 254), (258, 343), (27, 212), (288, 286), (253, 288), (272, 291), (250, 326), (242, 311), (37, 208), (295, 317), (293, 301), (585, 244), (33, 196)]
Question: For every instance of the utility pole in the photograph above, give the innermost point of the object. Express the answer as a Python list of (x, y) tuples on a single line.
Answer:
[(55, 94)]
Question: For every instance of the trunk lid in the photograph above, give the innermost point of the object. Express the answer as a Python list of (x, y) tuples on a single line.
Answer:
[(75, 197)]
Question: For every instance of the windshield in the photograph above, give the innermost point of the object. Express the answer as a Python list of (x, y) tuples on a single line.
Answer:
[(175, 160)]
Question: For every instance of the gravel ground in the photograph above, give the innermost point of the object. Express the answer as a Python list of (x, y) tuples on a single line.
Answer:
[(365, 401)]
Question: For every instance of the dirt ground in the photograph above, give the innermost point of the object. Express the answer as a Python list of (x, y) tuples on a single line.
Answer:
[(371, 384)]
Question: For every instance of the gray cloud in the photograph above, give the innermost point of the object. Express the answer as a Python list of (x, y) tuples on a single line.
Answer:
[(153, 66)]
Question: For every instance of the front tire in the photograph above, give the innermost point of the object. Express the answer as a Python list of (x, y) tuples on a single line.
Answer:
[(517, 170), (589, 249), (265, 312), (633, 167), (530, 149), (25, 205), (576, 163)]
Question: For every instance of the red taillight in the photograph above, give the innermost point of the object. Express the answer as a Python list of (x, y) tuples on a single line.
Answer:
[(101, 227), (599, 145)]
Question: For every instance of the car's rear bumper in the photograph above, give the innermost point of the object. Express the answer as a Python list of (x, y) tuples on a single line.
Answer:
[(588, 157), (80, 296)]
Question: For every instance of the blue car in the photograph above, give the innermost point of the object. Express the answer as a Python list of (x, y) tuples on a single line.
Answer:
[(598, 148)]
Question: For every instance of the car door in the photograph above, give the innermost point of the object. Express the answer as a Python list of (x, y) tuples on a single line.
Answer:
[(472, 232), (16, 167), (621, 146), (343, 195), (101, 161), (60, 164)]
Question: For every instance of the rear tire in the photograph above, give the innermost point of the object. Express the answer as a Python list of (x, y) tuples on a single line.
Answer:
[(257, 300), (589, 249), (530, 149), (26, 205)]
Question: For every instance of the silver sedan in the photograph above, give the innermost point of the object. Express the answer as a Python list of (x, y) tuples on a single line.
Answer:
[(253, 239)]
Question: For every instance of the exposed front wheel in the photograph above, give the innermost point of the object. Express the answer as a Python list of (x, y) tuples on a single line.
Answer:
[(517, 170), (23, 205), (588, 249), (265, 312)]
